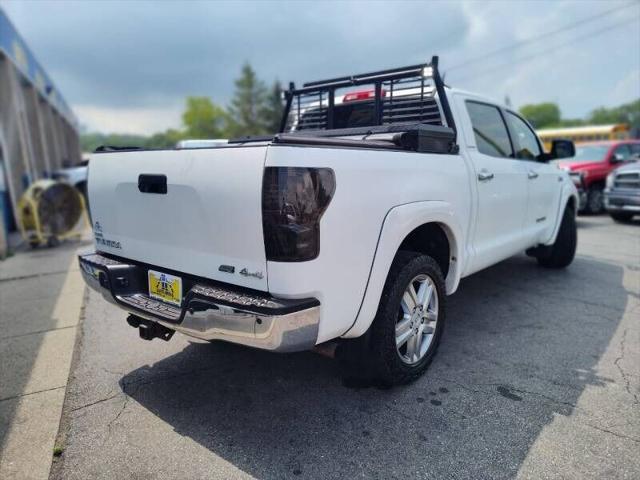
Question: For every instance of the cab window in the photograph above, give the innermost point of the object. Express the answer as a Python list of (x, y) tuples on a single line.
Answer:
[(526, 143), (622, 153), (489, 130)]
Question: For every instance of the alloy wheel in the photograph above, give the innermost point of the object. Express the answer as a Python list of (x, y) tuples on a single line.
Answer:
[(417, 319)]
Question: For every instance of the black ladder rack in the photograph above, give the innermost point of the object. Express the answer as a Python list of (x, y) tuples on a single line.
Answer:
[(400, 96)]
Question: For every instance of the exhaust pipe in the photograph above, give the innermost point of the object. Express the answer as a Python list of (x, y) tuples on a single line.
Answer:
[(149, 330)]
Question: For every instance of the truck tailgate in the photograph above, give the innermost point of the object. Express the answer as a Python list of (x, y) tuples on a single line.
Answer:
[(207, 223)]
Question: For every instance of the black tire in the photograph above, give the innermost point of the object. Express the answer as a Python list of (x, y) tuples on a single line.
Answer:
[(562, 252), (595, 200), (621, 217), (382, 356)]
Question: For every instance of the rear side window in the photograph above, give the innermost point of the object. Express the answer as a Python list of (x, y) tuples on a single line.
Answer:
[(526, 144), (489, 129), (358, 114), (347, 115)]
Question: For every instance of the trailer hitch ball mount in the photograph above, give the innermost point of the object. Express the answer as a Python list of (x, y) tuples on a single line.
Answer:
[(149, 330)]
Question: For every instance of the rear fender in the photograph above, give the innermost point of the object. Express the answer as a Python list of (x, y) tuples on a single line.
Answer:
[(399, 222)]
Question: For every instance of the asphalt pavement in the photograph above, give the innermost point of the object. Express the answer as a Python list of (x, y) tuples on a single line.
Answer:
[(537, 376)]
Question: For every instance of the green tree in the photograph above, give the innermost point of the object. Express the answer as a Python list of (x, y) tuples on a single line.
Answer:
[(273, 109), (571, 122), (203, 119), (541, 115), (628, 113), (248, 104), (166, 139)]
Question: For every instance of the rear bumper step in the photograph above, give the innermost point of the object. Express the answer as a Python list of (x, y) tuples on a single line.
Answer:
[(210, 310)]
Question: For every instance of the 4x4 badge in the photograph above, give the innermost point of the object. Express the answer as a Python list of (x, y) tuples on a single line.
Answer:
[(247, 273)]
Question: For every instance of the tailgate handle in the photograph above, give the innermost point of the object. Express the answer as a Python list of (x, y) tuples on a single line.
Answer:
[(151, 183)]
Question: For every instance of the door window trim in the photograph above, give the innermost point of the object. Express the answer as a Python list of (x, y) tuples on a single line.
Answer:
[(535, 135), (618, 147), (504, 121)]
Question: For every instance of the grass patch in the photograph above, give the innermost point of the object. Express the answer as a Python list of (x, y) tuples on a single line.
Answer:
[(58, 451)]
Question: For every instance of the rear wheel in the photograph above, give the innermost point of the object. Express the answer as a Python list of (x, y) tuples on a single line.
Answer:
[(407, 328), (563, 250), (621, 217)]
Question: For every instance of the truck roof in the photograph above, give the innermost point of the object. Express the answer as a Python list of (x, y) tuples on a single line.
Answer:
[(484, 98)]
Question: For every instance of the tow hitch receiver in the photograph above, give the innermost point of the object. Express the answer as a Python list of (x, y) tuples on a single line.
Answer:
[(150, 330)]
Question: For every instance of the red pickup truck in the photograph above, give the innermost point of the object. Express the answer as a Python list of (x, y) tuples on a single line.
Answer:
[(591, 165)]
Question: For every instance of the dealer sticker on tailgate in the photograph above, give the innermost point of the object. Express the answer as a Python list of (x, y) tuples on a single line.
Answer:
[(165, 287)]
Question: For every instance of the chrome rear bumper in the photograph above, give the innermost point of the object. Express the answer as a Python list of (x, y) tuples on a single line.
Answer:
[(210, 310)]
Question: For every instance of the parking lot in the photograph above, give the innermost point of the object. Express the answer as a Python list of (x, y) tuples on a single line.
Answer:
[(537, 376)]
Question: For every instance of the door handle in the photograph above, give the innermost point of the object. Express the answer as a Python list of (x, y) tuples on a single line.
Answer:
[(532, 174), (485, 176), (151, 183)]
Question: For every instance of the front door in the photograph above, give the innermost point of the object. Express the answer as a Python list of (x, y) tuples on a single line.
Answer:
[(543, 180)]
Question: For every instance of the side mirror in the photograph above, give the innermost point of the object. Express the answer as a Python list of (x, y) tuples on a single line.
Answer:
[(617, 158), (562, 149)]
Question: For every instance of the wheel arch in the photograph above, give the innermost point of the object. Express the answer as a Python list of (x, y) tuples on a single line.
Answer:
[(418, 226), (568, 198), (434, 239)]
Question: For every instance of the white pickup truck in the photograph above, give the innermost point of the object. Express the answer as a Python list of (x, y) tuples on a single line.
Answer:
[(351, 225)]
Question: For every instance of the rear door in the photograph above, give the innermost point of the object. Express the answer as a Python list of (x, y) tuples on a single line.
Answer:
[(501, 183), (192, 211), (543, 178)]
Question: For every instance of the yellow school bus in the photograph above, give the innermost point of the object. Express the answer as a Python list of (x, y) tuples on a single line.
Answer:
[(587, 133)]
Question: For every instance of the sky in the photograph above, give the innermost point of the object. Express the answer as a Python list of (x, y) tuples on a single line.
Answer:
[(127, 67)]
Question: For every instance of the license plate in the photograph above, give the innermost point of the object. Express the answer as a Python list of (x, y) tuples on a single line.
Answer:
[(165, 287)]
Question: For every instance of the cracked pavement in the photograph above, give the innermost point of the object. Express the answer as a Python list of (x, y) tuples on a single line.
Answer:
[(537, 376)]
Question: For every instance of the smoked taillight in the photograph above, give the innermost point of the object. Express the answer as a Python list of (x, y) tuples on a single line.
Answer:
[(293, 201)]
